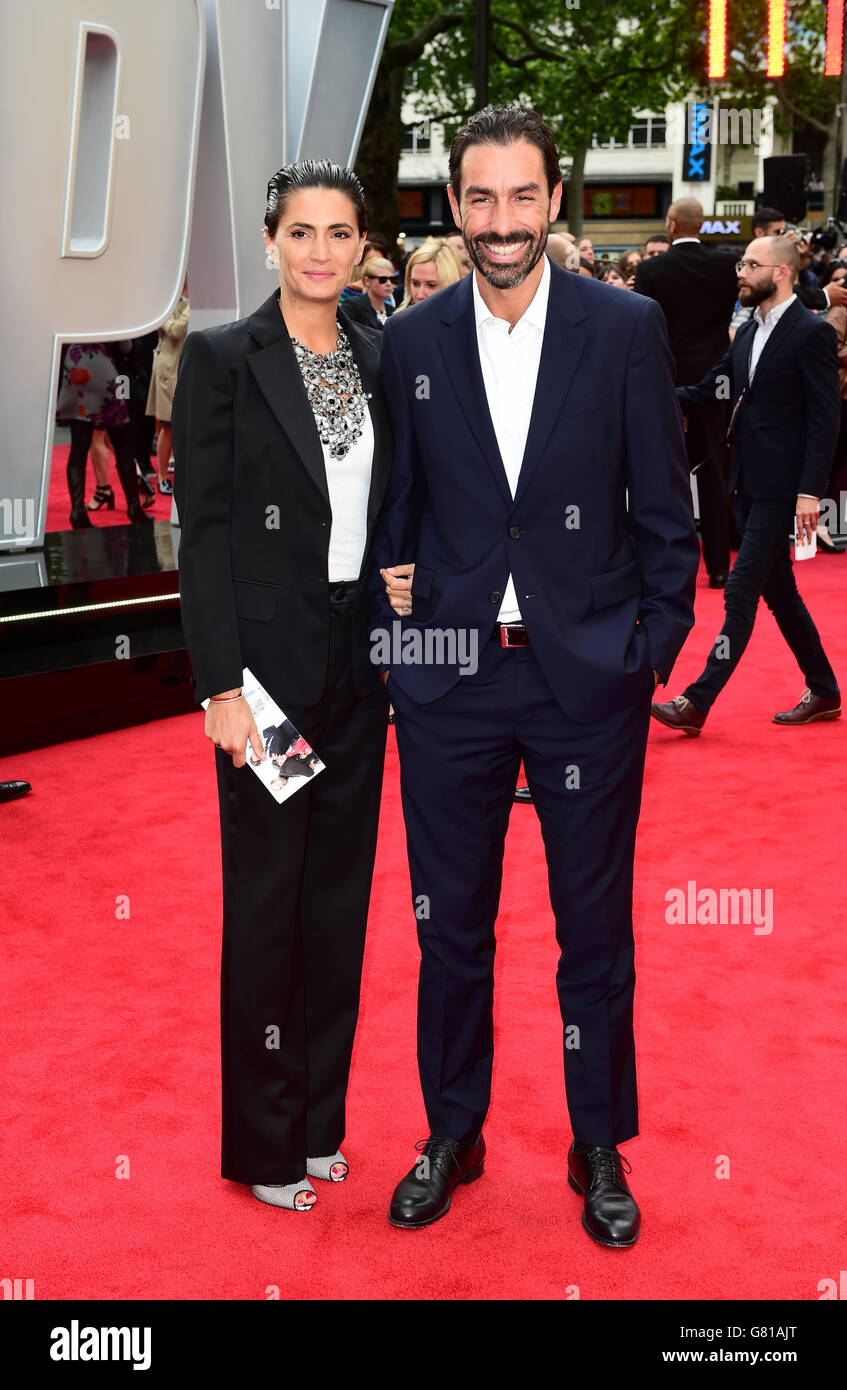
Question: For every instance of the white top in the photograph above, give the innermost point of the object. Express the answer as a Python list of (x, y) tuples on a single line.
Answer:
[(764, 329), (349, 483), (509, 363)]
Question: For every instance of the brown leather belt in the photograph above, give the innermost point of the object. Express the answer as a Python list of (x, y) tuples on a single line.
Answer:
[(511, 635)]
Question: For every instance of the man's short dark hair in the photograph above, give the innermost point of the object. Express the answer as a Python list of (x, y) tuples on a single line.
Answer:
[(657, 236), (763, 217), (502, 125)]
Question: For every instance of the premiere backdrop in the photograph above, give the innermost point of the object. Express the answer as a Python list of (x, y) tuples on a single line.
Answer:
[(137, 145)]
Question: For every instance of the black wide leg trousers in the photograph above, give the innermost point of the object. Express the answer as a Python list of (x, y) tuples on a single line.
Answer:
[(296, 887)]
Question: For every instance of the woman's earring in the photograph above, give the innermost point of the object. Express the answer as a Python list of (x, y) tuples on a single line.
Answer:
[(273, 258)]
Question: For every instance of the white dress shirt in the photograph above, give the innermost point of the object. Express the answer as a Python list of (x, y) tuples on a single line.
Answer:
[(348, 481), (764, 329), (509, 362)]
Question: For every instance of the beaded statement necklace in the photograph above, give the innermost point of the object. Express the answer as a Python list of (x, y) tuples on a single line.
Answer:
[(334, 389)]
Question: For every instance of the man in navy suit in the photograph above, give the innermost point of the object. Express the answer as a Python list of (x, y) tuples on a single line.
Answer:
[(781, 373), (540, 503)]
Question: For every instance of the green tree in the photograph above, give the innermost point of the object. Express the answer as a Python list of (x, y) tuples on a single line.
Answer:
[(413, 44), (804, 97), (583, 69)]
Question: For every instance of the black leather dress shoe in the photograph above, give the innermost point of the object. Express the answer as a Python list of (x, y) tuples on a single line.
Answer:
[(10, 790), (426, 1192), (523, 794), (611, 1215)]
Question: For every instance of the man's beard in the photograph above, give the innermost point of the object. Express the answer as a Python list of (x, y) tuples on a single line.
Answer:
[(505, 277), (755, 294)]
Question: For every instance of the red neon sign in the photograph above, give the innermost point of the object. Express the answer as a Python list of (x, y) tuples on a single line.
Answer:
[(834, 38), (717, 38)]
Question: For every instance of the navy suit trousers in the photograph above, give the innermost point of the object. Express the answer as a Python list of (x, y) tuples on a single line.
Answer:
[(460, 757)]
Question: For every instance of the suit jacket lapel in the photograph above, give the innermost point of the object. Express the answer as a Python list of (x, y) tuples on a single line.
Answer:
[(561, 349), (457, 340), (778, 335), (276, 370), (367, 360), (741, 344)]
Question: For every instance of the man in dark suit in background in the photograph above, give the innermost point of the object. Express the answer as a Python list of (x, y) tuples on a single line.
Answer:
[(782, 374), (540, 487), (697, 289)]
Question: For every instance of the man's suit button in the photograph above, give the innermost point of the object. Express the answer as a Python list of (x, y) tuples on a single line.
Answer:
[(494, 597), (515, 532)]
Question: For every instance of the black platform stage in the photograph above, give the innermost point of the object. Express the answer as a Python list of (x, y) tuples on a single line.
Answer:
[(90, 636)]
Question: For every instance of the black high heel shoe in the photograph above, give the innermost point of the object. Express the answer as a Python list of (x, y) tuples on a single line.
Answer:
[(103, 497), (145, 487), (136, 513)]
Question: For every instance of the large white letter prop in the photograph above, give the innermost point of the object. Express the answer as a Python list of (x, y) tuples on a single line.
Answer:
[(100, 106), (284, 80)]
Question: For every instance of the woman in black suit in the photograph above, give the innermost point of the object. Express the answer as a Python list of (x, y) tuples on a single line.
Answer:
[(282, 453)]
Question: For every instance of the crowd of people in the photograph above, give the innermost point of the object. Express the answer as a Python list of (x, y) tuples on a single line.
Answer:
[(135, 423)]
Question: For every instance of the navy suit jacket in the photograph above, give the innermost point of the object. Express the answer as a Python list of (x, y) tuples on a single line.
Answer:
[(786, 429), (604, 602)]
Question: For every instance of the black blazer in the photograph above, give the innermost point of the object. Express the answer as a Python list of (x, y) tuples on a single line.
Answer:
[(360, 310), (253, 503), (785, 431), (696, 288)]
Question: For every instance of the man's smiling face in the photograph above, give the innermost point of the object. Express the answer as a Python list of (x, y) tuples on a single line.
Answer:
[(505, 210)]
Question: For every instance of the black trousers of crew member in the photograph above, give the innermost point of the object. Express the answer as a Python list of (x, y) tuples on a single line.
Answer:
[(459, 760), (763, 569), (704, 442), (296, 885)]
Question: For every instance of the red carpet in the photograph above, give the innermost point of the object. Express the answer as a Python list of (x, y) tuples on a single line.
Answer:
[(111, 1045), (58, 503)]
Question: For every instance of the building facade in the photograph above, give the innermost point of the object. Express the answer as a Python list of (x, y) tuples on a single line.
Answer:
[(707, 150)]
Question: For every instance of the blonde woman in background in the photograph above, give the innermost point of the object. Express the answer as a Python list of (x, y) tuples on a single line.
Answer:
[(428, 269), (163, 381), (371, 307)]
